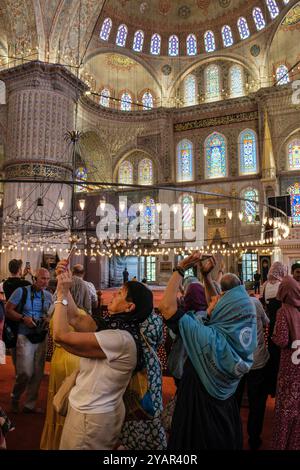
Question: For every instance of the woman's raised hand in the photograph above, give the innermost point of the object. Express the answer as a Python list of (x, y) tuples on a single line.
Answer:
[(61, 267), (64, 283)]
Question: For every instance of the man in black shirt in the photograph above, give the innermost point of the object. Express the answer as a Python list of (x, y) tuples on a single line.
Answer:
[(257, 278), (14, 280), (11, 284)]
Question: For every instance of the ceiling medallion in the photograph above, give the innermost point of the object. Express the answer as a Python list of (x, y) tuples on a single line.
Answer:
[(255, 50), (166, 69), (164, 6), (224, 3), (184, 11)]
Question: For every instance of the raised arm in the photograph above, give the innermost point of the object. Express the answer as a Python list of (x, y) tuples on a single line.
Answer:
[(168, 304), (206, 267), (81, 344)]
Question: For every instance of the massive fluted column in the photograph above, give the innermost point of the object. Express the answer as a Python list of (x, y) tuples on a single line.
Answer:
[(40, 110)]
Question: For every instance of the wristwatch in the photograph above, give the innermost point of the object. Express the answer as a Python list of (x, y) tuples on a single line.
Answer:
[(63, 301)]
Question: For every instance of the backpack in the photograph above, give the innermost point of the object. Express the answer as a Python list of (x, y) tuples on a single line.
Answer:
[(11, 328)]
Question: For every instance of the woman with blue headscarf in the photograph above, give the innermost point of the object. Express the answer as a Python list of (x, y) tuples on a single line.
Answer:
[(220, 351)]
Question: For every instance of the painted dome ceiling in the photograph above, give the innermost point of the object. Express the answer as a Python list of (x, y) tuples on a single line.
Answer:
[(176, 15)]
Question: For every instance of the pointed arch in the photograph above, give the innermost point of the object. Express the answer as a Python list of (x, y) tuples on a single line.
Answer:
[(293, 154), (236, 80), (215, 151), (247, 152), (188, 211), (250, 208), (121, 35), (190, 90), (106, 29), (212, 83), (125, 173), (145, 172), (185, 152)]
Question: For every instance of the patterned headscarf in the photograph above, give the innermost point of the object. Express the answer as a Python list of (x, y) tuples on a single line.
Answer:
[(289, 295), (277, 272), (142, 298)]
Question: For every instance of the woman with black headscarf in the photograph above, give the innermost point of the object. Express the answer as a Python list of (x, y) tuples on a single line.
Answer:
[(108, 359)]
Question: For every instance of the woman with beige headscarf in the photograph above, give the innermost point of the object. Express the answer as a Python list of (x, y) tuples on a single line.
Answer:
[(269, 297), (286, 433)]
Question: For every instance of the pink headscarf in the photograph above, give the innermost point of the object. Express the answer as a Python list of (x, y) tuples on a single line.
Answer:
[(289, 295), (277, 272)]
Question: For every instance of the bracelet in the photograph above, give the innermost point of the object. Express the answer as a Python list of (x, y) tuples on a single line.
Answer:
[(180, 270)]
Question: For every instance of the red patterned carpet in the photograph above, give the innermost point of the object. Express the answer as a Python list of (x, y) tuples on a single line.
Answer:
[(28, 430)]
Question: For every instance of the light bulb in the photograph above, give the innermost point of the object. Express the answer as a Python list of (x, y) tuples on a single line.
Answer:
[(241, 216), (205, 211), (158, 207), (122, 205), (270, 221), (229, 213), (102, 204), (61, 204), (218, 213), (19, 203), (82, 204)]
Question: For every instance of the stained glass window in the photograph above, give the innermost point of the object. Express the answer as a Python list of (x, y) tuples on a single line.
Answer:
[(190, 91), (106, 29), (155, 44), (148, 214), (215, 152), (191, 44), (294, 155), (248, 152), (243, 28), (138, 41), (173, 45), (126, 173), (273, 8), (81, 174), (227, 36), (145, 172), (147, 100), (212, 83), (282, 75), (258, 18), (209, 41), (250, 208), (104, 98), (126, 102), (236, 81), (185, 161), (188, 212), (294, 192), (122, 35)]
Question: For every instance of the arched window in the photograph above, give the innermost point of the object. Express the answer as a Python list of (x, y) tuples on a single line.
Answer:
[(258, 18), (273, 8), (294, 192), (184, 161), (191, 44), (188, 212), (122, 35), (243, 28), (148, 215), (250, 208), (227, 36), (212, 83), (126, 173), (126, 102), (173, 45), (294, 154), (145, 172), (209, 41), (138, 41), (190, 90), (104, 97), (282, 75), (81, 174), (147, 100), (215, 156), (105, 29), (236, 81), (155, 44), (248, 152)]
